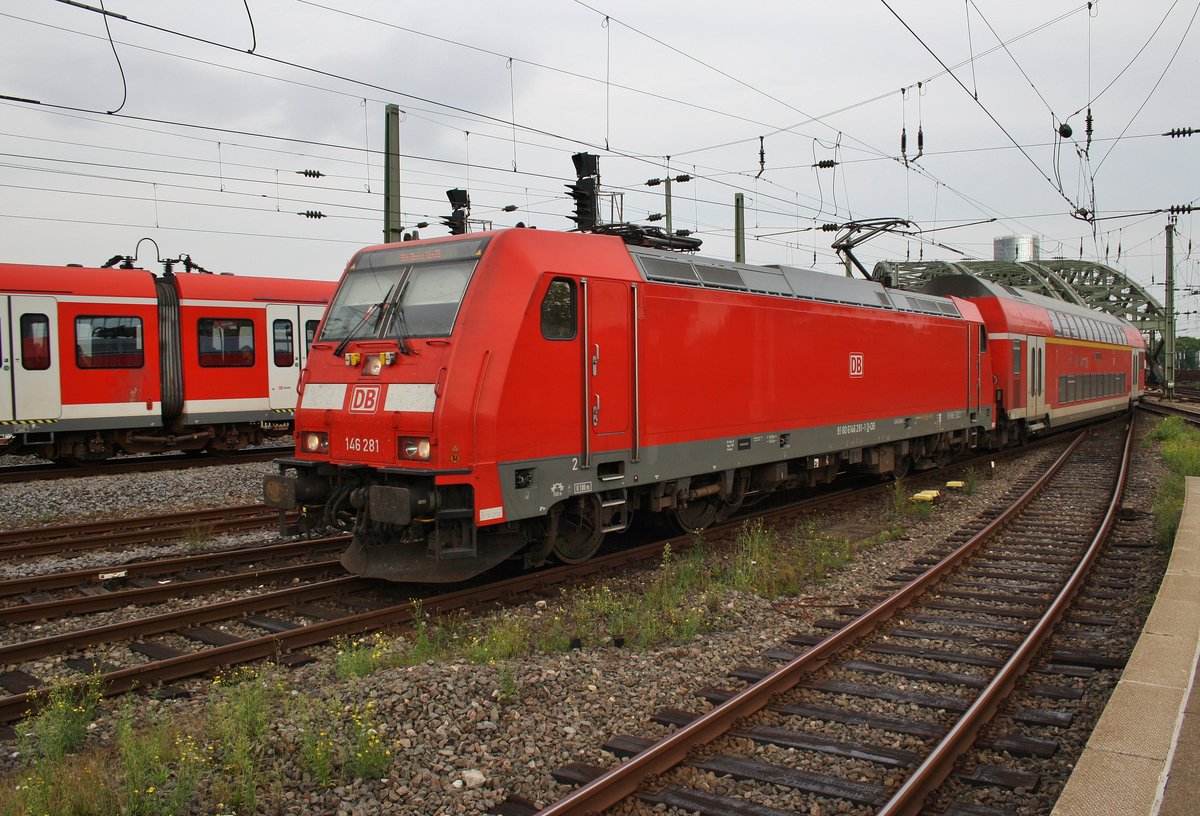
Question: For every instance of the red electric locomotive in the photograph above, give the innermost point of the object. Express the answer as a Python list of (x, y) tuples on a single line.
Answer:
[(103, 360), (520, 393)]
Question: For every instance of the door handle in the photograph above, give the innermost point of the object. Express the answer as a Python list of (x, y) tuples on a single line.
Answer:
[(595, 359), (596, 411)]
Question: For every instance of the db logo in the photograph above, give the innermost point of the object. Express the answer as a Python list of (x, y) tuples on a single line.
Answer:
[(364, 399), (856, 364)]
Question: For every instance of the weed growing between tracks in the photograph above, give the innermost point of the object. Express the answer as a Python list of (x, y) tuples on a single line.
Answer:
[(1179, 446), (234, 753), (48, 783), (163, 766)]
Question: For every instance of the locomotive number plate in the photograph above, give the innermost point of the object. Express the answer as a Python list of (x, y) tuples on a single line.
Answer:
[(362, 444)]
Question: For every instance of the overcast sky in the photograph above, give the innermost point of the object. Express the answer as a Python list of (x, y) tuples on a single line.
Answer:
[(219, 104)]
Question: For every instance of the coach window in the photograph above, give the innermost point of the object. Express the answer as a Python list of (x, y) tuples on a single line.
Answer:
[(558, 310), (285, 354), (1017, 356), (226, 342), (108, 341), (310, 331), (35, 342)]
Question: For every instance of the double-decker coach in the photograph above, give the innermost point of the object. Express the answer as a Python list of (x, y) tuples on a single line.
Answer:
[(1055, 363)]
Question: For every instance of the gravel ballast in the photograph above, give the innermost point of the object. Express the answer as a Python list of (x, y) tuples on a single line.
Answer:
[(464, 736)]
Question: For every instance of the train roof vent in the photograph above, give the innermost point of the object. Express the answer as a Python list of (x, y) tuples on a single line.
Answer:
[(664, 269), (884, 300), (718, 276), (767, 282), (948, 308)]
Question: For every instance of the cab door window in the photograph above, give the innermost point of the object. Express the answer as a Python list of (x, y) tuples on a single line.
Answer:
[(559, 320)]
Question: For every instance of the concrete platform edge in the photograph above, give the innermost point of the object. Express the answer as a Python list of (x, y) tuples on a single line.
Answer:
[(1126, 767)]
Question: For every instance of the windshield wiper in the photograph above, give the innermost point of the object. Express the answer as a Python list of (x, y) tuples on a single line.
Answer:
[(374, 309), (393, 309)]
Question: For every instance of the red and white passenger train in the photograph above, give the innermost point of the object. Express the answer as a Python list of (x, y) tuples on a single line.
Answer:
[(518, 394), (97, 361)]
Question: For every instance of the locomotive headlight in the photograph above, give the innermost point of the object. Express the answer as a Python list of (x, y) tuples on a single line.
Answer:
[(373, 363), (413, 447), (315, 442)]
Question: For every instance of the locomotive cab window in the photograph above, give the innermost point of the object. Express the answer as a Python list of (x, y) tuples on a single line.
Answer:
[(282, 348), (226, 342), (35, 342), (558, 310), (109, 341), (403, 292)]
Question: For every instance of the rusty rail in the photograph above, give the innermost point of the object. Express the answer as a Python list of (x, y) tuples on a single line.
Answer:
[(624, 779), (910, 797)]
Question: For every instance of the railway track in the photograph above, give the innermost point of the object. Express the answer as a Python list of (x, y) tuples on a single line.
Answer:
[(33, 542), (149, 463), (175, 644), (98, 589), (969, 628), (1189, 413)]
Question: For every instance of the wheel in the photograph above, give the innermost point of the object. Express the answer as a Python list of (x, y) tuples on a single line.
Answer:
[(903, 466), (579, 532), (96, 451), (696, 515)]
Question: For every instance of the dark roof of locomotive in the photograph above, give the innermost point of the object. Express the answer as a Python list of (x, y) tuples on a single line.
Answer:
[(663, 266)]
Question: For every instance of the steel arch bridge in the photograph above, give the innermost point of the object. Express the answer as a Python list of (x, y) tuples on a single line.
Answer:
[(1086, 283)]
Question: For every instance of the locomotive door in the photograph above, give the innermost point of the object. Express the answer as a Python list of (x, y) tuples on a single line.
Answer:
[(1035, 377), (976, 347), (606, 352), (290, 329), (31, 356)]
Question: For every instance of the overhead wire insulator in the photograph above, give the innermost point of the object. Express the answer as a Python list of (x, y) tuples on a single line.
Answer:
[(1176, 133), (1181, 209), (830, 227), (826, 164), (310, 173), (312, 214)]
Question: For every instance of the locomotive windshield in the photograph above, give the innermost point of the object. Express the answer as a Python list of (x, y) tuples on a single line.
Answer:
[(402, 292)]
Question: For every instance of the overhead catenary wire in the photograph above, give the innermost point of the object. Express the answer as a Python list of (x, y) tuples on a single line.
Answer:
[(791, 198), (318, 71), (1075, 208)]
